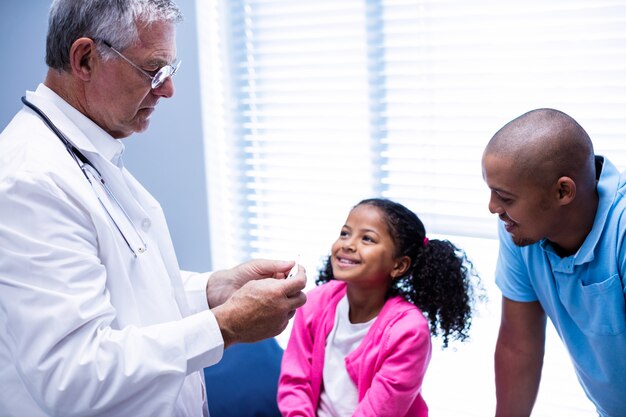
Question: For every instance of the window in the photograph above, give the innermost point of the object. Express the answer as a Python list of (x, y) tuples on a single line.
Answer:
[(313, 106)]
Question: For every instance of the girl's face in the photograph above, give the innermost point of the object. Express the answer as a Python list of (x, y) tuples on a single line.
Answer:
[(363, 255)]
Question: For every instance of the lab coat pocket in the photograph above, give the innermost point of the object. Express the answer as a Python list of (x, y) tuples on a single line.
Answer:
[(599, 308)]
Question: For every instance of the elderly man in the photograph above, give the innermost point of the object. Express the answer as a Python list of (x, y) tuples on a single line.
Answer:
[(97, 318)]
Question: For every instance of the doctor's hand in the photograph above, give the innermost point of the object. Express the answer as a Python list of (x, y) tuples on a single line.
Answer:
[(222, 284), (256, 301)]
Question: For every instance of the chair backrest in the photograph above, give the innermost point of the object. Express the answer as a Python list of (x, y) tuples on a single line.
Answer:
[(245, 381)]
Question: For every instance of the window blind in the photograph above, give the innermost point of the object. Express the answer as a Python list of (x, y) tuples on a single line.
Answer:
[(313, 106)]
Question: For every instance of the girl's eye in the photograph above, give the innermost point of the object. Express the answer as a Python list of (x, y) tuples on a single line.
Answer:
[(368, 238), (343, 233)]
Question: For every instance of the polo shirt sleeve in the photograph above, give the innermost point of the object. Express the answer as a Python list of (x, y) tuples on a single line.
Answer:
[(512, 273)]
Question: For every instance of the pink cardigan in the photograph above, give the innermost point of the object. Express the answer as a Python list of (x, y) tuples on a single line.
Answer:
[(388, 367)]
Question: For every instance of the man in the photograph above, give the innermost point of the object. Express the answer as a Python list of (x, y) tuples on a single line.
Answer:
[(97, 319), (562, 254)]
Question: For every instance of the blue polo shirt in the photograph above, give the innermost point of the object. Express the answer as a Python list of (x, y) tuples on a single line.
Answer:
[(583, 294)]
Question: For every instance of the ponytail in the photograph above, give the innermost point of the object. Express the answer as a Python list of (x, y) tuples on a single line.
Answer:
[(440, 285)]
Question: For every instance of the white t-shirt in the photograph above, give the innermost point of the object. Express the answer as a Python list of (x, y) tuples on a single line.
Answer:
[(339, 396)]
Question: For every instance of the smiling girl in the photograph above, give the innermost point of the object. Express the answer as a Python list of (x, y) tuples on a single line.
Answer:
[(361, 344)]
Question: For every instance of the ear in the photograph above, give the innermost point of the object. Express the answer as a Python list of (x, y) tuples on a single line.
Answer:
[(566, 188), (400, 267), (82, 58)]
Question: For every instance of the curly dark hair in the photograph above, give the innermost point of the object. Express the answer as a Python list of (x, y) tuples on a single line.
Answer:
[(440, 280)]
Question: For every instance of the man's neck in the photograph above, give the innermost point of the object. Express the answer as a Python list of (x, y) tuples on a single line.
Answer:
[(64, 86)]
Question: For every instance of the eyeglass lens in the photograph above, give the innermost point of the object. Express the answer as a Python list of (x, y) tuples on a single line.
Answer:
[(161, 75), (159, 78)]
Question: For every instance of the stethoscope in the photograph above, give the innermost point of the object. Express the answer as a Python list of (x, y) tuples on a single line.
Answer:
[(86, 166)]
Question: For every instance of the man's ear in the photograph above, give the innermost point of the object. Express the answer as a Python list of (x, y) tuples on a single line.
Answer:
[(566, 188), (82, 56), (401, 266)]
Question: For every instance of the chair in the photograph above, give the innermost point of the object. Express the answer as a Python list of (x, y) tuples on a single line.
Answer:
[(244, 383)]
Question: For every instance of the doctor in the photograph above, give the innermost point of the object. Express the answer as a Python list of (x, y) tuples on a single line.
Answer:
[(96, 317)]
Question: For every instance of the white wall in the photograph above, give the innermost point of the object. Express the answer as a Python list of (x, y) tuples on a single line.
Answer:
[(167, 159)]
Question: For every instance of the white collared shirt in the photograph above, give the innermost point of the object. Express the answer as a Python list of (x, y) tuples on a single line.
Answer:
[(86, 325)]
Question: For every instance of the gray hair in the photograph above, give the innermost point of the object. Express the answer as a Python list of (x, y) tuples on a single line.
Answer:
[(112, 20)]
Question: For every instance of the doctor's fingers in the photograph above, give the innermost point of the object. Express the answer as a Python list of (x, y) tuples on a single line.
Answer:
[(260, 268), (266, 319), (253, 313), (294, 285), (295, 301), (277, 299)]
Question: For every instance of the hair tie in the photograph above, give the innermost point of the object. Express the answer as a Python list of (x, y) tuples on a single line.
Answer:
[(425, 241)]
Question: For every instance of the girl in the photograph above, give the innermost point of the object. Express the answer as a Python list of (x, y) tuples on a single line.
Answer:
[(361, 344)]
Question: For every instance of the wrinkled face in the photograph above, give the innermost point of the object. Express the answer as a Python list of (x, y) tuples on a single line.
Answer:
[(529, 212), (118, 97), (364, 252)]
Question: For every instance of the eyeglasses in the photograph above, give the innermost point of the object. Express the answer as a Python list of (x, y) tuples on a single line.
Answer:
[(161, 74)]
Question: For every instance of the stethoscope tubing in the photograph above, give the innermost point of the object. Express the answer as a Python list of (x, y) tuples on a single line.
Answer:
[(81, 160)]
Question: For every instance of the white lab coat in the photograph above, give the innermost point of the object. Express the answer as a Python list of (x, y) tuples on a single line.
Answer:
[(88, 329)]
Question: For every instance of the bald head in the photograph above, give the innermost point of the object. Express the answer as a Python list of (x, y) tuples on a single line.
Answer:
[(544, 145)]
